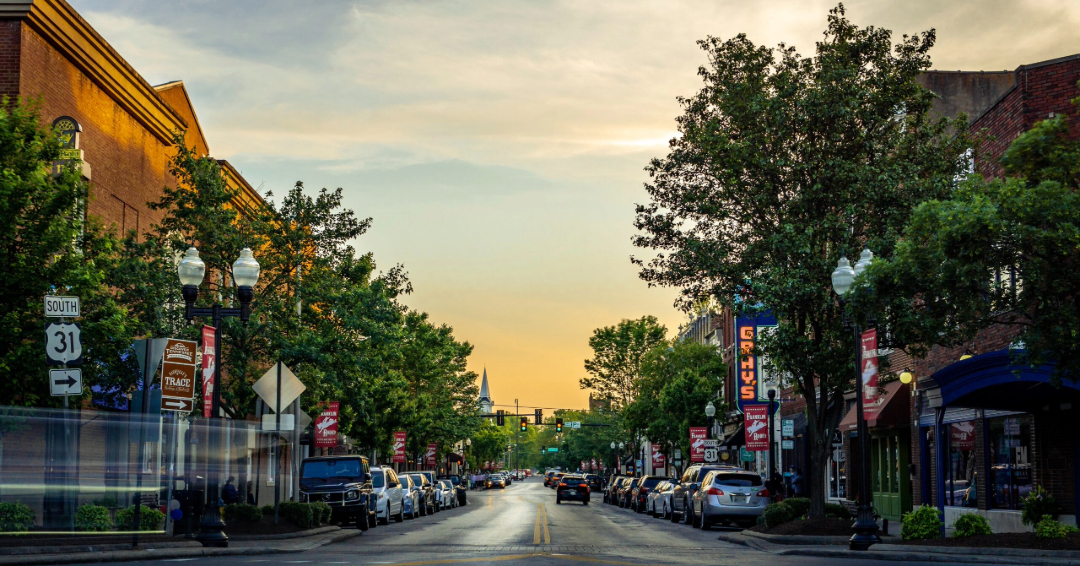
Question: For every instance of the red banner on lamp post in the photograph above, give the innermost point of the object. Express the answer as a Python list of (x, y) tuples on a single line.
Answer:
[(871, 399), (756, 427), (399, 447), (698, 434), (658, 459), (431, 450), (209, 358), (326, 425)]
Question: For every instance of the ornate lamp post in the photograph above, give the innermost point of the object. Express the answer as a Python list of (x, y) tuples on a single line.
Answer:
[(191, 271), (843, 278), (710, 412)]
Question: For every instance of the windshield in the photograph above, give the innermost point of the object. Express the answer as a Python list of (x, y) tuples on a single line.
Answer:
[(417, 479), (737, 480), (377, 478), (634, 482), (322, 472), (650, 482), (702, 473)]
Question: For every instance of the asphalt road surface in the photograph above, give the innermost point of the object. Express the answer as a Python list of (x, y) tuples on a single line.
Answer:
[(523, 525)]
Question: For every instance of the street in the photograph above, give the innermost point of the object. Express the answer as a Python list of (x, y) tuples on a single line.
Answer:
[(523, 525)]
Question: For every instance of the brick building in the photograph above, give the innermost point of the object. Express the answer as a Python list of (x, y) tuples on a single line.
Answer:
[(123, 130)]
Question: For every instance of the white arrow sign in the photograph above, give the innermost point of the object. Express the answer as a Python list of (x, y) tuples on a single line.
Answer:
[(64, 382)]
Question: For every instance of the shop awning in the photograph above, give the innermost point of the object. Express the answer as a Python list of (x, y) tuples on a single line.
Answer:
[(998, 380), (454, 457), (895, 409), (737, 439)]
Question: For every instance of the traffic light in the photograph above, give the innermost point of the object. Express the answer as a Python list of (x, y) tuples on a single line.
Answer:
[(524, 424), (543, 449), (539, 417), (499, 419), (558, 425)]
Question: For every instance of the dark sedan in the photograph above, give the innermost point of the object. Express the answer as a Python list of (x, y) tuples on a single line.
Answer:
[(595, 483), (626, 490), (641, 492), (572, 488), (495, 480)]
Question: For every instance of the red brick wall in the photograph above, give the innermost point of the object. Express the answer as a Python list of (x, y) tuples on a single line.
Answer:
[(10, 41), (128, 164), (1040, 89)]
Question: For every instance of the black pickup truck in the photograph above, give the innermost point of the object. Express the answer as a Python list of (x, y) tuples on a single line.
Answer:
[(343, 483)]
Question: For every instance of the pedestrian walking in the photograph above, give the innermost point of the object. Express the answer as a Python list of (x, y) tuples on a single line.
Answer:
[(229, 493), (797, 482)]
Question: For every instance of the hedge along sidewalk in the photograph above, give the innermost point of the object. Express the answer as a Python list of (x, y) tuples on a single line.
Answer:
[(268, 544), (826, 547)]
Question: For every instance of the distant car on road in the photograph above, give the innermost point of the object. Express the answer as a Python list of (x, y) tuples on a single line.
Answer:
[(612, 489), (658, 503), (412, 496), (445, 494), (495, 480), (626, 490), (390, 503), (427, 493), (572, 488), (728, 496), (596, 484), (459, 487)]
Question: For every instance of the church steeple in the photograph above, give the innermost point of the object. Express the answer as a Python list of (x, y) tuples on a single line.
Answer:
[(486, 403)]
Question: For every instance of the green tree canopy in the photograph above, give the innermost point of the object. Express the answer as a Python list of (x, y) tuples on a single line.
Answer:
[(783, 165), (618, 352)]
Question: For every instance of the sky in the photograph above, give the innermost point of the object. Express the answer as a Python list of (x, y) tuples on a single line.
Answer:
[(500, 146)]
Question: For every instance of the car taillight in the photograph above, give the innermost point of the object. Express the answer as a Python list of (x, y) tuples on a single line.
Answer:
[(715, 491), (763, 493), (562, 485), (644, 490)]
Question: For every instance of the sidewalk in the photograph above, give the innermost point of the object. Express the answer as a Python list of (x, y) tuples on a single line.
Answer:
[(238, 546), (828, 547)]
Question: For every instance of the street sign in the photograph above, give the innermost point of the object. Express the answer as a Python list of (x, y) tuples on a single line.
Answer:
[(746, 455), (575, 424), (788, 426), (553, 449), (266, 387), (64, 382), (63, 343), (787, 444), (837, 440), (178, 405), (62, 307), (711, 455)]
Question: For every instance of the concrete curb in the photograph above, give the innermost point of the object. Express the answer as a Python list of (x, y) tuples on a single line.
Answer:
[(284, 536), (170, 553), (803, 540), (923, 556)]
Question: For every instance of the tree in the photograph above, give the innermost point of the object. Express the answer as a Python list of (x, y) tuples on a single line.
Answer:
[(783, 165), (995, 252), (678, 380), (50, 248), (618, 352)]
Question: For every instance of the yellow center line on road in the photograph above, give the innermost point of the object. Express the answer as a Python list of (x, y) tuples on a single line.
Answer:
[(541, 526)]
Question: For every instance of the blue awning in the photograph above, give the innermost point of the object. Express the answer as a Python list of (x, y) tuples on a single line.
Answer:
[(997, 380)]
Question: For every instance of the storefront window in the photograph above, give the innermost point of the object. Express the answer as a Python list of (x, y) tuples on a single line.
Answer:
[(1010, 467), (960, 478), (837, 475)]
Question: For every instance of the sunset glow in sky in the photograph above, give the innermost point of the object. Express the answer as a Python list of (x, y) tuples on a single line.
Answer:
[(500, 146)]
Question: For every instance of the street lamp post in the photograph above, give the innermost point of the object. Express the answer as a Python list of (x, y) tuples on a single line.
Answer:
[(710, 411), (191, 271), (843, 278), (618, 462), (772, 440)]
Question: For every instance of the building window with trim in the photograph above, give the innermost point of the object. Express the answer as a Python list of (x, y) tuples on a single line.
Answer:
[(1010, 464)]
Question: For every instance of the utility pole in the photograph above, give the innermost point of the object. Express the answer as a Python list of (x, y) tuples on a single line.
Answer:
[(517, 437)]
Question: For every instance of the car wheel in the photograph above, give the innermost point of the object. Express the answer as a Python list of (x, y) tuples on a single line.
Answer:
[(558, 501), (362, 522), (687, 513), (400, 517)]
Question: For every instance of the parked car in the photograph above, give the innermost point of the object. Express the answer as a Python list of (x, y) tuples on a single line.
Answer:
[(459, 487), (728, 496), (445, 494), (412, 495), (495, 480), (427, 493), (612, 488), (685, 488), (572, 487), (626, 490), (641, 492), (390, 503), (343, 483), (596, 484), (658, 503)]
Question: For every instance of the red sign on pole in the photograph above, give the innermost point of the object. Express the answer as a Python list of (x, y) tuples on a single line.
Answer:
[(431, 449), (756, 427), (326, 426), (871, 399), (399, 447), (962, 435), (209, 358), (698, 434), (658, 456)]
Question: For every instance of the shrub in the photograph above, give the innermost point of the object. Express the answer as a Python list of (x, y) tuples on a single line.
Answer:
[(268, 510), (244, 512), (922, 523), (149, 519), (320, 513), (92, 518), (15, 517), (971, 524), (1049, 528), (1038, 504), (837, 511), (799, 506), (299, 514), (776, 513), (108, 502)]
